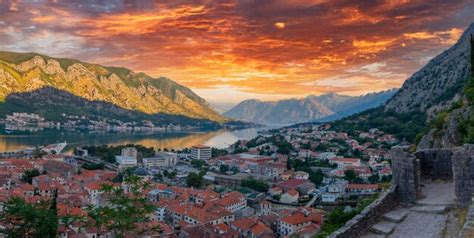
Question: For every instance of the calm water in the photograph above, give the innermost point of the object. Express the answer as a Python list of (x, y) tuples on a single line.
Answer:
[(170, 140)]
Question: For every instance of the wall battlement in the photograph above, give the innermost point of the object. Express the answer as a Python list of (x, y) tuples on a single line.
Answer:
[(453, 164)]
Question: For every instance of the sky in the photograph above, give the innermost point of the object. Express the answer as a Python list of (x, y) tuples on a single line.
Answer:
[(230, 50)]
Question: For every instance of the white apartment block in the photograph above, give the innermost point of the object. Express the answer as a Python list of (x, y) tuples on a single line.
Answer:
[(161, 159), (201, 152)]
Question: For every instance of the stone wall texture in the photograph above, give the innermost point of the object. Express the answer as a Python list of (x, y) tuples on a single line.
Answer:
[(436, 163), (463, 173), (455, 164), (406, 174), (372, 214)]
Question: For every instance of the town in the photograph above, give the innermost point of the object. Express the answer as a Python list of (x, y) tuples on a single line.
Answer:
[(285, 182), (31, 122)]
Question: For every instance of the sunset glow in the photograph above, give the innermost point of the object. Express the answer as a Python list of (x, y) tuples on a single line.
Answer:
[(231, 50)]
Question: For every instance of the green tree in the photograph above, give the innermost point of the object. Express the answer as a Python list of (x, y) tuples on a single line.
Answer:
[(351, 176), (223, 168), (93, 166), (125, 211), (218, 152), (28, 175), (257, 185), (374, 178), (38, 153), (194, 180), (197, 163), (24, 219), (158, 176), (235, 170), (172, 175), (316, 177)]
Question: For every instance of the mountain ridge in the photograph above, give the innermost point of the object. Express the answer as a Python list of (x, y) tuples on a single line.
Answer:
[(431, 109), (25, 72), (324, 107), (438, 84)]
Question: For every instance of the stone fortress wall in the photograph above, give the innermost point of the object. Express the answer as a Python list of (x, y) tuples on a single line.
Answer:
[(361, 223), (456, 164), (409, 170)]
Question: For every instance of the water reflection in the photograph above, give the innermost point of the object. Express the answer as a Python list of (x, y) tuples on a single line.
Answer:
[(170, 140)]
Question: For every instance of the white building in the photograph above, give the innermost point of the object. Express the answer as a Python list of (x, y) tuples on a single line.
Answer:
[(161, 159), (329, 197), (130, 152), (201, 152), (342, 163), (294, 223), (290, 197), (125, 162), (159, 214), (301, 175), (326, 155)]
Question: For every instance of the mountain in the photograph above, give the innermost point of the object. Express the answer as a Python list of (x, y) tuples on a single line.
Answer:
[(326, 107), (438, 84), (433, 107), (120, 88)]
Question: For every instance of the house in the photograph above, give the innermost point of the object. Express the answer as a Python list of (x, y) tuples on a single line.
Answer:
[(65, 170), (286, 175), (336, 189), (337, 186), (302, 186), (232, 201), (329, 197), (301, 175), (275, 191), (326, 155), (298, 221), (264, 208), (290, 197), (342, 163), (251, 227), (231, 181), (363, 189), (387, 171), (93, 190), (209, 231)]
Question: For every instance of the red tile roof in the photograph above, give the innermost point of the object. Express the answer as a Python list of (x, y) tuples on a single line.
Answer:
[(292, 183), (293, 192)]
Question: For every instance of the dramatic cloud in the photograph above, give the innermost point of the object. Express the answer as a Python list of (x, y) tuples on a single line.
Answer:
[(229, 50)]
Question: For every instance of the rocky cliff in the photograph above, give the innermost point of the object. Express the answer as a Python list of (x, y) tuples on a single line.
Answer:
[(30, 72), (439, 84)]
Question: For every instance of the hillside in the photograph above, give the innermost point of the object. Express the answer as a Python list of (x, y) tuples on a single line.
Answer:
[(26, 73), (438, 84), (326, 107), (432, 107)]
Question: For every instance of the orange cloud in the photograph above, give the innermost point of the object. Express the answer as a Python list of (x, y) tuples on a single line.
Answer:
[(280, 25), (274, 48), (446, 37)]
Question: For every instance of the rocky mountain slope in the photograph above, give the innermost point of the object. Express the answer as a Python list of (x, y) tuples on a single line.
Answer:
[(312, 108), (24, 73), (454, 126), (433, 107), (438, 84)]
